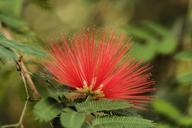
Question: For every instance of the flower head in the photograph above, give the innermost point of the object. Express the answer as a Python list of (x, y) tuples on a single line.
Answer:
[(101, 67)]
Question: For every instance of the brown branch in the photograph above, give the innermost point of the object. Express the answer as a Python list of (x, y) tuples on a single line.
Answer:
[(23, 68), (26, 76), (20, 122), (27, 80)]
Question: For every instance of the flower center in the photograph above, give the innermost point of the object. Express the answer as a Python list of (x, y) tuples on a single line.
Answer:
[(89, 89)]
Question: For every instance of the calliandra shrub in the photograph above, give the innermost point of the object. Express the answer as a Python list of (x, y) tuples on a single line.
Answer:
[(101, 73)]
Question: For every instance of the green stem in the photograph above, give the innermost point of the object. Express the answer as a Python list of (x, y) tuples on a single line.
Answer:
[(88, 98)]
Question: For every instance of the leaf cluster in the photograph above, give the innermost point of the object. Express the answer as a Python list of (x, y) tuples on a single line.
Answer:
[(8, 48), (172, 112), (151, 39), (88, 114)]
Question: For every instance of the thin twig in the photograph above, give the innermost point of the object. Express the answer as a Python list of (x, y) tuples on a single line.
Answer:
[(27, 81), (27, 97), (20, 123)]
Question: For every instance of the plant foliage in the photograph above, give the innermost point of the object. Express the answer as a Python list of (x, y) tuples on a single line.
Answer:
[(88, 114), (47, 109), (101, 105), (8, 48), (72, 119), (121, 122), (151, 39), (184, 55)]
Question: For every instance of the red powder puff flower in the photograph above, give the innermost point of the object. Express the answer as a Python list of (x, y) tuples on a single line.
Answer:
[(101, 68)]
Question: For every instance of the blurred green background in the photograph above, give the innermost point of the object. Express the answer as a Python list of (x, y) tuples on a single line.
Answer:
[(161, 32)]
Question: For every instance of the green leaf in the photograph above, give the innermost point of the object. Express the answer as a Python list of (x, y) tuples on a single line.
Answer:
[(12, 7), (44, 4), (150, 39), (25, 48), (162, 125), (145, 44), (101, 105), (161, 30), (7, 53), (47, 109), (138, 32), (185, 121), (72, 119), (125, 112), (172, 112), (184, 55), (122, 122), (185, 78), (166, 108), (168, 44), (145, 52), (13, 22)]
